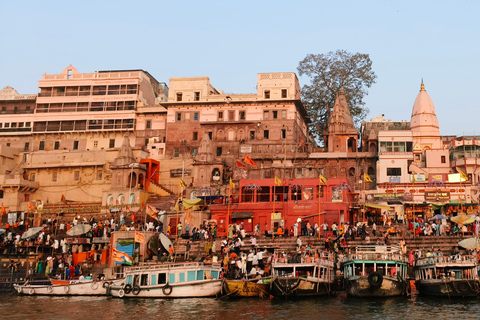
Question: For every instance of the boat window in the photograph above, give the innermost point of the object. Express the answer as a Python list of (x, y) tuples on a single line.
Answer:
[(171, 278), (162, 278), (215, 274), (191, 275), (129, 280), (153, 280), (144, 280), (200, 275), (181, 277), (135, 280)]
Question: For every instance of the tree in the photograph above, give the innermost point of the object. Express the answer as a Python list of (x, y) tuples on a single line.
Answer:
[(328, 73)]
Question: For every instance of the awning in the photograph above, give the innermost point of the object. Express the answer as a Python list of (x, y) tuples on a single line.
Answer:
[(377, 206), (241, 215)]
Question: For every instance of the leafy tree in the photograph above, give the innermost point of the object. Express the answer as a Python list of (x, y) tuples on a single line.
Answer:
[(328, 73)]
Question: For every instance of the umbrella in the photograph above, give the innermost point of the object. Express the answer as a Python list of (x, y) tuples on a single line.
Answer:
[(344, 186), (2, 231), (252, 187), (31, 232), (437, 217), (470, 243), (463, 219), (79, 229)]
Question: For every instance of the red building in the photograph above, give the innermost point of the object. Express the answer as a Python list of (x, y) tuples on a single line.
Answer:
[(253, 202)]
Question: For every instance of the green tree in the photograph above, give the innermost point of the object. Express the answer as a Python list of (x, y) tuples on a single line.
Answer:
[(328, 73)]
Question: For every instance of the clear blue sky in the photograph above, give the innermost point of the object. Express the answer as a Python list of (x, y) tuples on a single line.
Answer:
[(232, 41)]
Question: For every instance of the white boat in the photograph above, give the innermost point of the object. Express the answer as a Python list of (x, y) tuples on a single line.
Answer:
[(172, 280), (310, 277), (65, 288)]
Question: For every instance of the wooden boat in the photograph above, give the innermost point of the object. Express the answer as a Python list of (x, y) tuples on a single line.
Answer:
[(310, 277), (65, 288), (454, 276), (247, 288), (171, 280), (375, 271)]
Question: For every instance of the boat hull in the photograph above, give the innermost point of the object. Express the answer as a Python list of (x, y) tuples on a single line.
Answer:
[(448, 288), (291, 287), (360, 287), (241, 288), (208, 288), (93, 288)]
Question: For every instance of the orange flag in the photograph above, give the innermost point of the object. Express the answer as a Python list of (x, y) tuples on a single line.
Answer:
[(139, 237), (30, 206), (3, 210), (151, 211), (249, 161), (63, 198)]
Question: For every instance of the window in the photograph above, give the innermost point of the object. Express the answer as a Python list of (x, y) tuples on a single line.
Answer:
[(443, 159), (197, 96), (231, 115), (267, 94), (179, 116), (265, 134), (284, 134), (179, 96), (75, 145), (76, 175), (32, 177), (219, 151), (275, 114), (27, 124), (111, 143), (265, 114), (284, 93), (95, 144), (99, 174), (28, 110), (176, 152), (27, 146), (210, 135), (146, 142), (394, 171), (41, 146), (195, 135), (54, 176), (220, 115), (241, 115), (195, 116), (57, 145), (162, 278), (194, 152), (148, 124), (252, 135)]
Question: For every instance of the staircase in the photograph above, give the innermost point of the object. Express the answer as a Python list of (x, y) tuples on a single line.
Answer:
[(158, 189)]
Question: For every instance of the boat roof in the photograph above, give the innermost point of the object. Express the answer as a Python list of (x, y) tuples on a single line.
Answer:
[(171, 267)]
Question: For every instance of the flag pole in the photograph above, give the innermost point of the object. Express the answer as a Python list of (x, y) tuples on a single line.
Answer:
[(176, 233), (228, 209), (364, 188), (273, 214), (319, 209), (413, 206)]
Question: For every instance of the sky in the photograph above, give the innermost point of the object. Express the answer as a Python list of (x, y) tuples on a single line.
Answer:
[(232, 41)]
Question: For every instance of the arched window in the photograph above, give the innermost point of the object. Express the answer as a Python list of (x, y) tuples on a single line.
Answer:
[(216, 174), (351, 172)]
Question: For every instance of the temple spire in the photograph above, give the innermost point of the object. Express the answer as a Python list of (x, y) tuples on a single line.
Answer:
[(422, 86)]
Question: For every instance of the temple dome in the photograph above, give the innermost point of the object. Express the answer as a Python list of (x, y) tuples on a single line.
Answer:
[(424, 120)]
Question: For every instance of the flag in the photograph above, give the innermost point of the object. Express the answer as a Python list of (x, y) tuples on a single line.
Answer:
[(278, 182), (142, 205), (301, 143), (240, 164), (182, 183), (232, 184), (323, 179), (463, 175), (139, 237), (413, 178), (151, 211), (30, 206), (188, 216), (127, 207), (63, 199), (122, 257), (366, 178), (249, 161), (3, 210)]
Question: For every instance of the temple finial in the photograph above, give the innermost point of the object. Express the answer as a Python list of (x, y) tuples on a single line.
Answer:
[(422, 86)]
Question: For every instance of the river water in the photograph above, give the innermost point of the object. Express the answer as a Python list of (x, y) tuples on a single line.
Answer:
[(13, 306)]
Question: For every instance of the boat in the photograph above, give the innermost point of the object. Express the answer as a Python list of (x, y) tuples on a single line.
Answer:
[(169, 280), (65, 288), (452, 276), (308, 277), (247, 287), (375, 271)]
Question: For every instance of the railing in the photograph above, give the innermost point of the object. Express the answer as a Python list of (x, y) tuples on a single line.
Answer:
[(458, 260), (168, 266)]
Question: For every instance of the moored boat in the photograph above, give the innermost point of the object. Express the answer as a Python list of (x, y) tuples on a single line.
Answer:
[(65, 288), (247, 288), (310, 277), (375, 271), (454, 276), (172, 280)]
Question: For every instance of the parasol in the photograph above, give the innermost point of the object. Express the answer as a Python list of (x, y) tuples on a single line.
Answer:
[(469, 243), (252, 187), (79, 229), (31, 232), (2, 231), (437, 217), (343, 186), (463, 219)]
